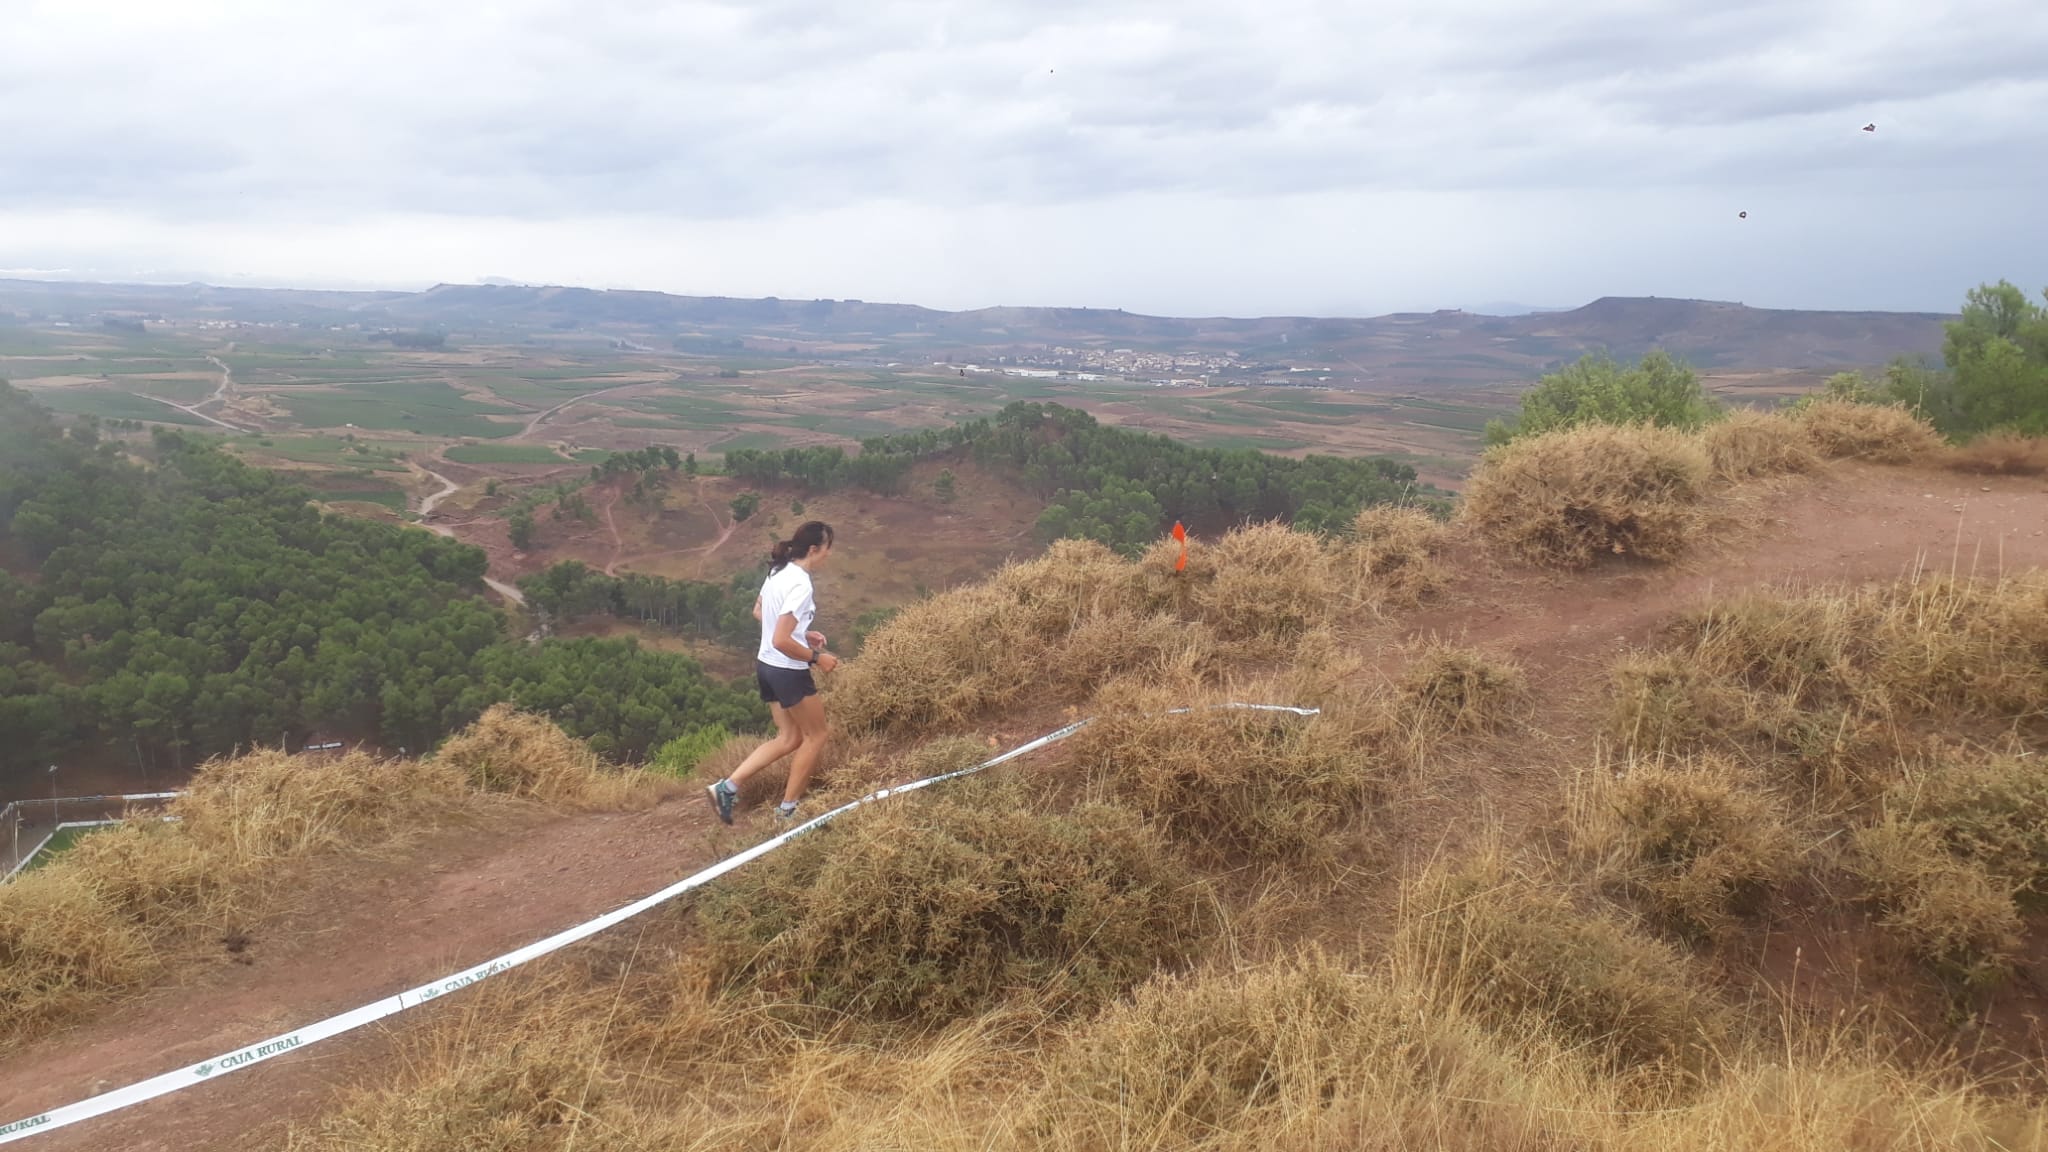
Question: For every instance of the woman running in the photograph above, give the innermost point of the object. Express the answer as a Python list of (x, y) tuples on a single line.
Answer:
[(782, 668)]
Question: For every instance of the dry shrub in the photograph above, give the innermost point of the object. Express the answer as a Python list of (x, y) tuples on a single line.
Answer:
[(1961, 846), (1839, 685), (1661, 701), (521, 754), (1833, 1102), (2001, 454), (1226, 780), (1056, 627), (1515, 948), (1950, 911), (1296, 1054), (1699, 844), (1270, 582), (949, 657), (1566, 498), (1876, 432), (1395, 557), (1447, 689), (934, 910), (1749, 444), (62, 948)]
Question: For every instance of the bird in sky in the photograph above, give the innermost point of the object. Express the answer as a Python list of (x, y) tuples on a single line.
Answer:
[(1870, 127)]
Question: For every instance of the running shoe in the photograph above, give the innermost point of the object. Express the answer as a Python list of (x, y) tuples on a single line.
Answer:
[(722, 797)]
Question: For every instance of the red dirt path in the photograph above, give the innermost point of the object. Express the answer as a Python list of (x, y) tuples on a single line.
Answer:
[(453, 902)]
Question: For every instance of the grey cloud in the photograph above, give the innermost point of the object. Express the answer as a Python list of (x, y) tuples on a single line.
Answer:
[(564, 109)]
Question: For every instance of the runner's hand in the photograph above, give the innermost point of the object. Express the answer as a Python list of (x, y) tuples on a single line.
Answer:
[(814, 639), (827, 661)]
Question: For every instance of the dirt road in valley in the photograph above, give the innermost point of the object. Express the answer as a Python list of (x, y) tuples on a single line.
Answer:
[(432, 501)]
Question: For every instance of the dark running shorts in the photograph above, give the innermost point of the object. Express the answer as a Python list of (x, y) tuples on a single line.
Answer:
[(784, 686)]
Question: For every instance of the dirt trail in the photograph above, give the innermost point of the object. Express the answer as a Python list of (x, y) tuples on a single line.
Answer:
[(191, 410), (448, 488), (543, 417), (436, 909), (426, 509), (456, 902), (611, 567)]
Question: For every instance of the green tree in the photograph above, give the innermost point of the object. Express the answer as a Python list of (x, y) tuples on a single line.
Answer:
[(744, 505), (1994, 374), (943, 486), (522, 530), (1596, 390)]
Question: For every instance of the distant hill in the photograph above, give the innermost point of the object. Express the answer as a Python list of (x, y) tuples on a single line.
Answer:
[(1446, 348)]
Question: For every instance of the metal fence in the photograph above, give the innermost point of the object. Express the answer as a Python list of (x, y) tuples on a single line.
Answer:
[(27, 825)]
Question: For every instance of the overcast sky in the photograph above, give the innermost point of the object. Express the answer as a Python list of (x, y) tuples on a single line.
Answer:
[(1181, 156)]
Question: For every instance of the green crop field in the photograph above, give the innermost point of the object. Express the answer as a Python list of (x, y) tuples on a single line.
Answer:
[(112, 406), (503, 454), (427, 407), (329, 450)]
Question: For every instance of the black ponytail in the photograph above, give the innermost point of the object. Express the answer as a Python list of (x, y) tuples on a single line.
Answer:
[(813, 534)]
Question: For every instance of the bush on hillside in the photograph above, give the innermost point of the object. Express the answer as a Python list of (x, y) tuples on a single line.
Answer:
[(1952, 912), (1566, 498), (1296, 1054), (521, 754), (1964, 844), (931, 911), (1450, 689), (1516, 949), (1750, 444), (1398, 554), (1840, 685), (107, 914), (1658, 391), (1056, 627), (2001, 454), (1880, 433), (1700, 844), (1226, 781)]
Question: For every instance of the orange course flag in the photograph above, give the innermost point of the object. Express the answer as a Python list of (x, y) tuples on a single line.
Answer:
[(1181, 534)]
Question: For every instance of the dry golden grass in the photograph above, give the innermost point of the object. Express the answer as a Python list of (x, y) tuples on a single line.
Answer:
[(1451, 689), (1879, 433), (1749, 444), (1517, 950), (1567, 498), (117, 908), (1836, 687), (1698, 844), (933, 910), (1226, 781), (1396, 554), (2000, 454), (1961, 845), (521, 754), (1301, 1054), (1052, 629), (1952, 912)]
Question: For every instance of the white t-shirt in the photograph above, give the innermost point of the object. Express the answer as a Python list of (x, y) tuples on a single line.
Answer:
[(787, 593)]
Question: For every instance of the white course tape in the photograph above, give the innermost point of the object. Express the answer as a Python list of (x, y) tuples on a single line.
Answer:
[(292, 1041)]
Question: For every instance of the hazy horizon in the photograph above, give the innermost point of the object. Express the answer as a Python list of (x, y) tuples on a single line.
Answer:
[(1189, 159)]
